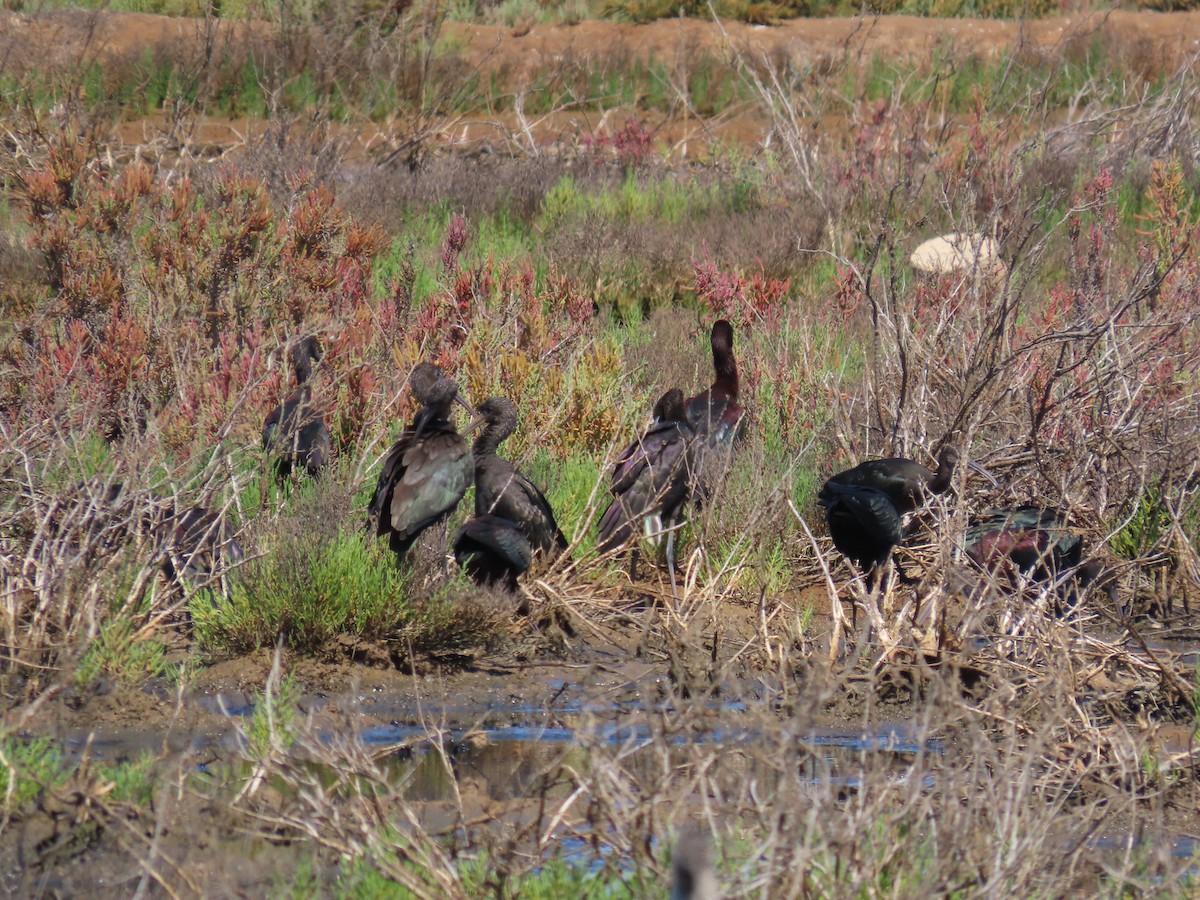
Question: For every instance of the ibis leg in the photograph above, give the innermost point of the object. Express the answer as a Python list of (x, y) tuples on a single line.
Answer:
[(671, 561)]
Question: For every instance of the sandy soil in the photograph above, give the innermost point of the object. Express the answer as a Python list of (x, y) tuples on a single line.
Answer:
[(1169, 37), (1148, 42)]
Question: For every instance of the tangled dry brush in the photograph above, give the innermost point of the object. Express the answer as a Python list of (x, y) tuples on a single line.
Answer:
[(147, 319)]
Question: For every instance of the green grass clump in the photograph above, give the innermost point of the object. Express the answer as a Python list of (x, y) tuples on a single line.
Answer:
[(26, 768), (364, 880), (120, 654), (29, 767), (133, 781), (1144, 529), (274, 723), (568, 485), (309, 590), (305, 594), (560, 878), (121, 650)]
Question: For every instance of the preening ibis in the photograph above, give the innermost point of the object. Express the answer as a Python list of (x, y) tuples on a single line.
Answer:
[(651, 480), (865, 506), (501, 490), (907, 483), (1035, 542), (427, 470), (294, 429), (863, 521), (715, 416), (493, 550)]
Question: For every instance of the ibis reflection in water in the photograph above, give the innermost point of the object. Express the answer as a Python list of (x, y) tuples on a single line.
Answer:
[(427, 470)]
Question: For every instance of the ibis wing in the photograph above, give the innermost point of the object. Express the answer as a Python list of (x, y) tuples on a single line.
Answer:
[(496, 538), (902, 480), (436, 473), (657, 485), (647, 451), (270, 426), (313, 445), (631, 463), (544, 532), (1033, 537), (863, 522), (290, 417), (502, 490), (389, 474), (873, 512)]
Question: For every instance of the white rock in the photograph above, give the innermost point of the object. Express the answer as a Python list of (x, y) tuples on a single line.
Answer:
[(956, 253)]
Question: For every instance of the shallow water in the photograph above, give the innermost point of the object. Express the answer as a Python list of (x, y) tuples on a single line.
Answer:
[(503, 743), (494, 756)]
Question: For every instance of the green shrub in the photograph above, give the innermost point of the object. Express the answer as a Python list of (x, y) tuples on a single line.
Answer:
[(132, 781), (26, 768), (309, 590), (119, 653)]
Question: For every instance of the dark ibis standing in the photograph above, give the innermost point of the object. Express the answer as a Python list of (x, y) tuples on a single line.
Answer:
[(294, 429), (651, 482), (1035, 542), (427, 470), (906, 483), (864, 523), (715, 416), (195, 543), (190, 543), (513, 520), (865, 506), (493, 550), (503, 490)]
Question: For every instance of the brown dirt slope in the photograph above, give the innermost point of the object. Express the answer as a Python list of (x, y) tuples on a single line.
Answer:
[(1167, 38)]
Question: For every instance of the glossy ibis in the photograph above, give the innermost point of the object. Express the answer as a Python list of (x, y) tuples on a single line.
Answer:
[(1035, 542), (96, 517), (427, 471), (493, 550), (715, 416), (502, 490), (195, 544), (650, 482), (294, 429), (865, 506), (864, 523), (192, 543), (907, 483), (189, 544)]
